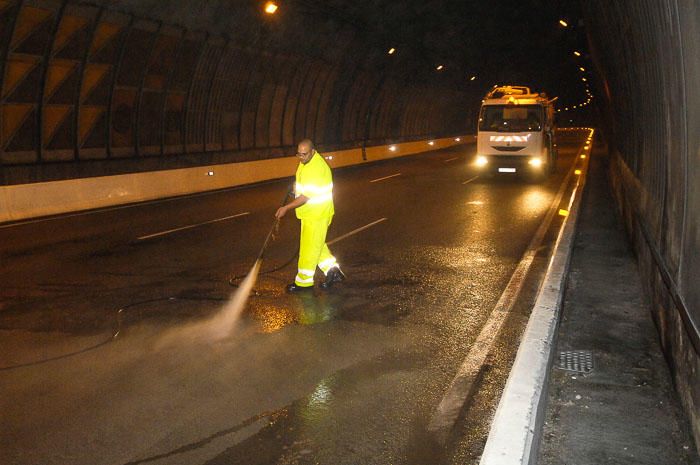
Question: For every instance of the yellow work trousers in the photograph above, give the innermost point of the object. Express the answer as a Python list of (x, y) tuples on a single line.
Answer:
[(313, 250)]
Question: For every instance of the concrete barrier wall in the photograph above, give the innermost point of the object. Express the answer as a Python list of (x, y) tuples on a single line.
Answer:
[(647, 55), (25, 201)]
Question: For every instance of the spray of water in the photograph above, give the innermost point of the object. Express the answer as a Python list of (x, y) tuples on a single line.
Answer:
[(222, 324), (225, 321)]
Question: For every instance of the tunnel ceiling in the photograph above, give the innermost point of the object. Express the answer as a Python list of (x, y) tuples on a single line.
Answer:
[(153, 84), (503, 41)]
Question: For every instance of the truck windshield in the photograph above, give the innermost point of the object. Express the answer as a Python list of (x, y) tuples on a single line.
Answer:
[(510, 118)]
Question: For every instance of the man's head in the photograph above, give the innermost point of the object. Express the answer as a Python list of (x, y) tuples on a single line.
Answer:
[(305, 150)]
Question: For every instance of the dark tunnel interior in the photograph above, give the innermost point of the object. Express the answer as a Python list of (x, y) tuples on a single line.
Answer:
[(147, 85), (125, 86)]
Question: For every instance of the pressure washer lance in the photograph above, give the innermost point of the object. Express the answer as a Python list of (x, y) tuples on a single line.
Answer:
[(271, 236)]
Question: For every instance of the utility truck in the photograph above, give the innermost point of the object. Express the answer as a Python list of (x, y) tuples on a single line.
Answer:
[(516, 132)]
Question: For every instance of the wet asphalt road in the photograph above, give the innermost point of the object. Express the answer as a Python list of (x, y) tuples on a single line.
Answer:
[(347, 376)]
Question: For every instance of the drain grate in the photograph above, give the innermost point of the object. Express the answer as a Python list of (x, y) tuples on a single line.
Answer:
[(579, 361)]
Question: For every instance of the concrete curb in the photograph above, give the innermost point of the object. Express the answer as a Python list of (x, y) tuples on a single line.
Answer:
[(516, 428)]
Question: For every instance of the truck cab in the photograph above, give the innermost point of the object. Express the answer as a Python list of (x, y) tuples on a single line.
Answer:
[(516, 132)]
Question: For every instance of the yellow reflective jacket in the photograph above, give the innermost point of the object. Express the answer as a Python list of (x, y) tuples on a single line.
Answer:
[(314, 180)]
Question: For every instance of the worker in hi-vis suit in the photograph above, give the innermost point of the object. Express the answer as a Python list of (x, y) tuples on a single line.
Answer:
[(313, 203)]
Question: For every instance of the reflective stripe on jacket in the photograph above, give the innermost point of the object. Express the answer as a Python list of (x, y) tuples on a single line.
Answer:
[(314, 180)]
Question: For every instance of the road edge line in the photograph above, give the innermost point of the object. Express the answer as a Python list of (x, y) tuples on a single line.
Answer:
[(516, 427)]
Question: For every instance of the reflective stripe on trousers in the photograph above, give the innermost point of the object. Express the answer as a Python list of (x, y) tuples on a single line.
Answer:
[(313, 250)]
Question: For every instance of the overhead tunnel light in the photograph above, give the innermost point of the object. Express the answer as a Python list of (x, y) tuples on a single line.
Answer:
[(270, 8), (582, 69), (472, 78), (577, 53), (391, 51), (439, 67), (563, 23)]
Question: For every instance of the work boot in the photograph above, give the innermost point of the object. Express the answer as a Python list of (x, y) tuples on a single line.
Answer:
[(294, 287), (334, 275)]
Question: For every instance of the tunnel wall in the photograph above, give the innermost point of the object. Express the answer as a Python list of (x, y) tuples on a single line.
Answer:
[(647, 53), (87, 90), (32, 200)]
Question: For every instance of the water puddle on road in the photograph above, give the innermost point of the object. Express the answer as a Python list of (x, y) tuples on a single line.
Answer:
[(272, 313)]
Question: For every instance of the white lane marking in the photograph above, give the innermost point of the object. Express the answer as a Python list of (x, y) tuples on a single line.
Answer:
[(386, 177), (355, 231), (470, 179), (450, 159), (464, 382), (190, 226)]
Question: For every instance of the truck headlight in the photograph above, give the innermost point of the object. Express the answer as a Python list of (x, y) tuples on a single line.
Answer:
[(481, 160), (535, 162)]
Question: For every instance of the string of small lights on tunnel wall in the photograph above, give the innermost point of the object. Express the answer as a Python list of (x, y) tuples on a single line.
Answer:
[(81, 82)]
